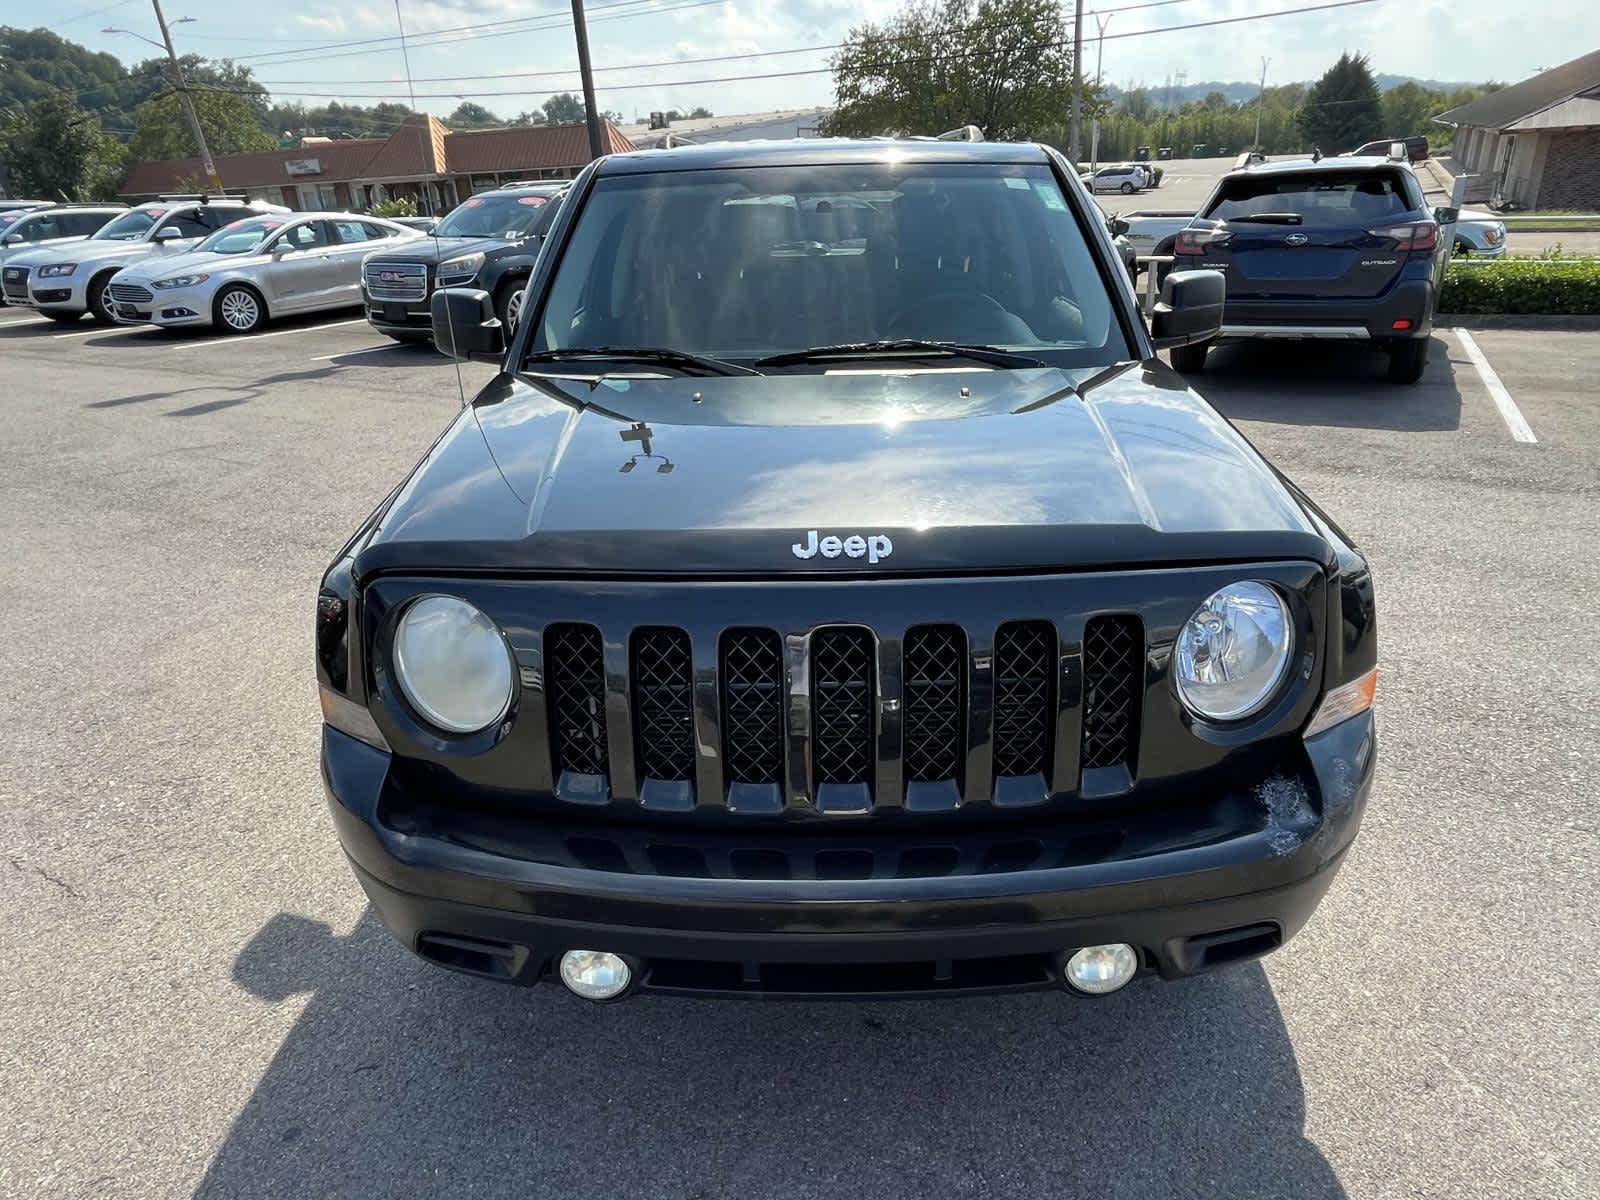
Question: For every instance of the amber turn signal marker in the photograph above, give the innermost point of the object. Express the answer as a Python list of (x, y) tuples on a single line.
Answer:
[(1343, 702)]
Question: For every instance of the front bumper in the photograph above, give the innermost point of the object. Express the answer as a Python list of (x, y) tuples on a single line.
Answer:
[(503, 895), (406, 318), (1358, 318), (67, 294), (173, 306)]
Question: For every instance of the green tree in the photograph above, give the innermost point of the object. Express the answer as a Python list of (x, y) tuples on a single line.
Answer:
[(565, 109), (472, 116), (1343, 108), (999, 64), (55, 150), (699, 112), (231, 124)]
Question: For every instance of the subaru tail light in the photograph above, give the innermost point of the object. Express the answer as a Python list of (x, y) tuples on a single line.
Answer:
[(1423, 235)]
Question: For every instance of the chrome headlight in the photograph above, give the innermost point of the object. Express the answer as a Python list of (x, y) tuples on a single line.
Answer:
[(461, 269), (453, 664), (1234, 651), (180, 281), (57, 270)]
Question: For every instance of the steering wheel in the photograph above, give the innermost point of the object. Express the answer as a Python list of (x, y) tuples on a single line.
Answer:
[(958, 316)]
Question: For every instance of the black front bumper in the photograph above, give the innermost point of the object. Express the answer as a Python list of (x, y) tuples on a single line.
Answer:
[(504, 896), (408, 318)]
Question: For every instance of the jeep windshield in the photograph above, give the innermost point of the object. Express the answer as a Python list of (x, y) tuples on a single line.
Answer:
[(767, 263), (496, 216)]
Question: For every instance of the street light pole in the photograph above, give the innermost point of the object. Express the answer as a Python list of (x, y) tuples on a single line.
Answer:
[(1075, 145), (1099, 61), (1260, 96), (213, 180), (580, 27)]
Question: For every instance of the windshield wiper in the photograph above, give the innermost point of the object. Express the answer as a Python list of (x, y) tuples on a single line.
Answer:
[(992, 355), (645, 354), (1283, 218)]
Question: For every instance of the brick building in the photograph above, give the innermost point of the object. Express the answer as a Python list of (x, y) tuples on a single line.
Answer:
[(421, 159), (1535, 144)]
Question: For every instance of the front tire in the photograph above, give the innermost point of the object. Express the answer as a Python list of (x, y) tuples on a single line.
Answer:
[(1189, 360), (509, 305), (99, 297), (1407, 360), (238, 309), (1127, 189)]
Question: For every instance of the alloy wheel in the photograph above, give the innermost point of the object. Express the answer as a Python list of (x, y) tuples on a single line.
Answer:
[(240, 310)]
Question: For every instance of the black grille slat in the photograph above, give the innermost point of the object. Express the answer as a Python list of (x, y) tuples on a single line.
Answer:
[(576, 683), (1113, 652), (934, 658), (663, 709), (752, 706), (1024, 662), (841, 705)]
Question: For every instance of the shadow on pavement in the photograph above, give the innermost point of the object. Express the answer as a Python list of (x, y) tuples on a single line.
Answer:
[(1335, 384), (401, 1080)]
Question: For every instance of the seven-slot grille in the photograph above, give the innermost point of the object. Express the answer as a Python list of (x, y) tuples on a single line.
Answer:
[(395, 280), (16, 283), (843, 722), (131, 293)]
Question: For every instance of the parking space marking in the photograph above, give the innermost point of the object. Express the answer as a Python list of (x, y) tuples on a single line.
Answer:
[(252, 337), (89, 332), (353, 353), (1521, 431)]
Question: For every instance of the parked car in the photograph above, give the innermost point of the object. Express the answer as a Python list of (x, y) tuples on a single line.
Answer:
[(23, 229), (1414, 149), (22, 205), (420, 224), (1479, 234), (811, 608), (64, 282), (1346, 248), (1153, 231), (258, 268), (491, 240), (1125, 178), (1118, 229)]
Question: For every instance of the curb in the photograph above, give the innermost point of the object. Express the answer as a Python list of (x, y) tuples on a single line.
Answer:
[(1553, 322)]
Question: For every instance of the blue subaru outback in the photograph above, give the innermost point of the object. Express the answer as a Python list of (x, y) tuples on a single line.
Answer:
[(1344, 249)]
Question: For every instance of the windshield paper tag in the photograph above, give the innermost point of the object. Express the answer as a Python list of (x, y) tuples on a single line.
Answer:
[(1050, 195), (1014, 181)]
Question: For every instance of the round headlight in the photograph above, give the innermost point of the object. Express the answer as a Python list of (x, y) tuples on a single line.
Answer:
[(1233, 652), (453, 664)]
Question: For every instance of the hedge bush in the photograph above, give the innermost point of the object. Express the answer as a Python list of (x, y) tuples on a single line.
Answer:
[(1565, 286)]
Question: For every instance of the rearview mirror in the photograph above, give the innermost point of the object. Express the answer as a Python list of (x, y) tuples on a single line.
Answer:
[(1446, 215), (465, 325), (1118, 226), (167, 233), (1190, 309)]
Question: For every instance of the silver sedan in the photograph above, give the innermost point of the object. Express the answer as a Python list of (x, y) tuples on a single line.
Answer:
[(255, 269)]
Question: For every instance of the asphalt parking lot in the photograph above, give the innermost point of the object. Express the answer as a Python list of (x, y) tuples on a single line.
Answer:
[(196, 1000)]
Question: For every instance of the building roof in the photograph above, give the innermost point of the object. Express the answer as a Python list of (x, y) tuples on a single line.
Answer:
[(421, 147), (1509, 105)]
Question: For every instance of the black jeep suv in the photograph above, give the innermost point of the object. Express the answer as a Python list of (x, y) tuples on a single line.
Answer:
[(489, 241), (835, 595)]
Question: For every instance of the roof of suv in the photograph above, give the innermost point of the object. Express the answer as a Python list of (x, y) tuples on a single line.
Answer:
[(1304, 166), (796, 152)]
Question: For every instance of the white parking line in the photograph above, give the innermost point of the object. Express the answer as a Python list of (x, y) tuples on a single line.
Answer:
[(1521, 431), (353, 353), (89, 332), (214, 341)]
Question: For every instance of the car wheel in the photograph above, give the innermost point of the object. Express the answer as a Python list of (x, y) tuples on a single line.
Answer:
[(238, 309), (1188, 360), (99, 297), (1407, 360), (510, 305), (1127, 188)]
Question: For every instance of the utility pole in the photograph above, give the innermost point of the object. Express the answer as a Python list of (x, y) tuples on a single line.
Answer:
[(1260, 96), (1076, 141), (597, 145), (213, 180), (1099, 61)]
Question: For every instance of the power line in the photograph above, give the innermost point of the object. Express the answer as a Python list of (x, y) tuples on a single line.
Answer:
[(669, 83)]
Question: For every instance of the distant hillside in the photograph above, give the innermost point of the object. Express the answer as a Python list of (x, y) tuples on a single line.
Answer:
[(1175, 96)]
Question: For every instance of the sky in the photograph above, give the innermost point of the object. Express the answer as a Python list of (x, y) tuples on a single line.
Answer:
[(637, 45)]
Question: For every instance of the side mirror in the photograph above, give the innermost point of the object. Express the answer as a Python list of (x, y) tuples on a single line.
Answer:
[(1445, 215), (1118, 226), (465, 325), (280, 248), (168, 233), (13, 239), (1190, 309)]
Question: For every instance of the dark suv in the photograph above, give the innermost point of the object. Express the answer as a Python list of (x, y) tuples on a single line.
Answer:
[(835, 595), (1343, 249), (488, 241)]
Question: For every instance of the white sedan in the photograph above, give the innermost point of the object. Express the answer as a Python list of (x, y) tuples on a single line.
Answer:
[(256, 269)]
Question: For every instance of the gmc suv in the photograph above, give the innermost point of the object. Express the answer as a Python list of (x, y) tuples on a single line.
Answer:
[(835, 595), (489, 241)]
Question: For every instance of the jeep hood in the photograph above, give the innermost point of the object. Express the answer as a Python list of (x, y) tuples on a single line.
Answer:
[(1041, 469)]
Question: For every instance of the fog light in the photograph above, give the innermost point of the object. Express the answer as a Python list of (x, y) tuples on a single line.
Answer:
[(1098, 970), (594, 974)]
